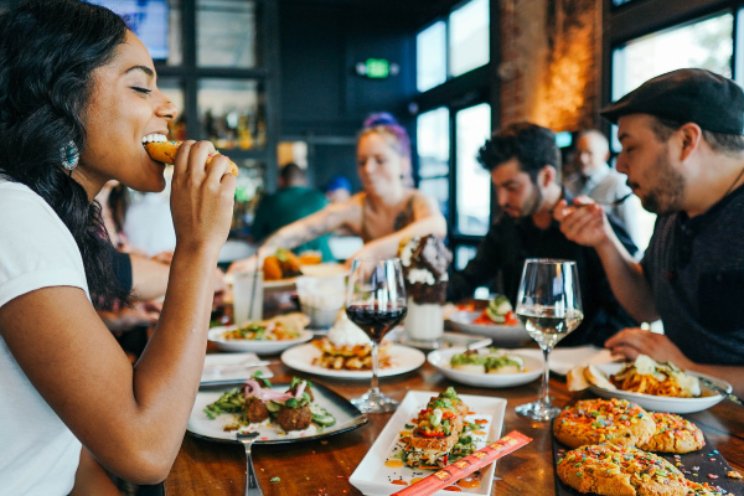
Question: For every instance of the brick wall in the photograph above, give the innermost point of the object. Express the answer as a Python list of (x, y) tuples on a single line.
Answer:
[(550, 62)]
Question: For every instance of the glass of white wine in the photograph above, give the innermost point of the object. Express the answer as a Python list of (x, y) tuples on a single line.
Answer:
[(549, 305)]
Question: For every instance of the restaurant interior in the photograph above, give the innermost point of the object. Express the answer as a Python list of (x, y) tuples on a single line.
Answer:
[(273, 82)]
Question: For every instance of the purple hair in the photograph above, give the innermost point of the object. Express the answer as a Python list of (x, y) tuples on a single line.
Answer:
[(385, 124)]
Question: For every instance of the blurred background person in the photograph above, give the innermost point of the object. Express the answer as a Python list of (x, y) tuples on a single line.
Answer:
[(148, 223), (292, 201), (593, 177), (386, 212)]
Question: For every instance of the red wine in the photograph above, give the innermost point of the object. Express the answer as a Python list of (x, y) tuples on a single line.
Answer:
[(375, 321)]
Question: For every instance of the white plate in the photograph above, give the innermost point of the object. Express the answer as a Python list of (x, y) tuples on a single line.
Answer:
[(315, 270), (347, 417), (663, 403), (448, 340), (441, 360), (224, 367), (564, 359), (372, 476), (262, 347), (502, 335), (402, 359)]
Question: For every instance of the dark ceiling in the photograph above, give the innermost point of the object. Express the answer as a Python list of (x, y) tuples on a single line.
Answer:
[(411, 9)]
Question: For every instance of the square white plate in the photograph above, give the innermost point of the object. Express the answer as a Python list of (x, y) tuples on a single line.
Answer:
[(373, 477)]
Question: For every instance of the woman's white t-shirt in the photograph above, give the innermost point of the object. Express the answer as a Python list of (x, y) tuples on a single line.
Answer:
[(38, 453)]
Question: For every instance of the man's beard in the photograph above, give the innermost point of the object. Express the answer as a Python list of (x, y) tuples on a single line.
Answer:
[(666, 196), (532, 205)]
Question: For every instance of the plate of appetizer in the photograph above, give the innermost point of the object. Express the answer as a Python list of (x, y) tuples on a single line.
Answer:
[(429, 431), (280, 413), (345, 352), (320, 359), (486, 367), (263, 337), (497, 321), (658, 386)]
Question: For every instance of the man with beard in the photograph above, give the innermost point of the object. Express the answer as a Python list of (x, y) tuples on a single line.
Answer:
[(524, 161), (682, 135)]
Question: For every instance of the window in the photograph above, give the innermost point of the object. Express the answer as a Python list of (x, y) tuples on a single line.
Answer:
[(431, 45), (447, 49), (433, 139), (473, 126), (706, 43), (469, 37), (226, 33)]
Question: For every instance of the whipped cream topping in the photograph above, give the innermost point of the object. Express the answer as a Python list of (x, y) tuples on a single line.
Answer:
[(345, 333)]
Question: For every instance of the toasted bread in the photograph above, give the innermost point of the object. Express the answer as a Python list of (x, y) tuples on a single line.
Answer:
[(165, 151), (576, 379), (598, 378)]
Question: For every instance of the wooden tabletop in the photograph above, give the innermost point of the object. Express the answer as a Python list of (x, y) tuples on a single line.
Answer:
[(323, 467)]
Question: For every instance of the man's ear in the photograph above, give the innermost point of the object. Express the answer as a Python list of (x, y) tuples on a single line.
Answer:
[(546, 176), (690, 135)]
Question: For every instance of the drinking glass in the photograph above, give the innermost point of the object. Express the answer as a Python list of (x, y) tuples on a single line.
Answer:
[(376, 302), (549, 305)]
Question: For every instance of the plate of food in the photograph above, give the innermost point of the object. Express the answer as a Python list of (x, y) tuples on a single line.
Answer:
[(486, 367), (280, 413), (345, 352), (316, 358), (264, 337), (497, 321), (231, 367), (427, 432), (658, 386)]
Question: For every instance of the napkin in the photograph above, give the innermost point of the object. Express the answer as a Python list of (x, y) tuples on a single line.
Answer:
[(229, 367), (564, 359)]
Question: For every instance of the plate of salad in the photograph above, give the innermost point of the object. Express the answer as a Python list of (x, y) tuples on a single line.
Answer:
[(280, 413), (496, 321)]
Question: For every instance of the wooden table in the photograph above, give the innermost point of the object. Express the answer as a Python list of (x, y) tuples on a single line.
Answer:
[(323, 467)]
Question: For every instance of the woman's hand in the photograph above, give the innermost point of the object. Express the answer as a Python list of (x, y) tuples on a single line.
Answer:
[(201, 197)]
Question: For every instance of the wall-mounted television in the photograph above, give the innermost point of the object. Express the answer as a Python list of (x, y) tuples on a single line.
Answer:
[(148, 19)]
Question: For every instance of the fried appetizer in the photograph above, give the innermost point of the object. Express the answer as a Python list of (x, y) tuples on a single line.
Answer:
[(436, 431), (162, 150)]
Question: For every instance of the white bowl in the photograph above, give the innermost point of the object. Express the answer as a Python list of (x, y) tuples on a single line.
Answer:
[(511, 336), (441, 360)]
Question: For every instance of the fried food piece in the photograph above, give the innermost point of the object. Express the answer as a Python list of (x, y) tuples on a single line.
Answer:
[(294, 419), (255, 410), (165, 151), (272, 269)]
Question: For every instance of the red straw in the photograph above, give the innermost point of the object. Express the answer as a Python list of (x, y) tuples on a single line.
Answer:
[(466, 466)]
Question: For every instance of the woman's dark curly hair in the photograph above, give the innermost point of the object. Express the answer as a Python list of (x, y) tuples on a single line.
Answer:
[(532, 145), (48, 51)]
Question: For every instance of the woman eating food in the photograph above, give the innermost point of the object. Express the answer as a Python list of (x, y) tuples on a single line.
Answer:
[(386, 212), (78, 96)]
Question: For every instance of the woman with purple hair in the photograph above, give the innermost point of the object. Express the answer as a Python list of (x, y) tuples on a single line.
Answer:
[(386, 212)]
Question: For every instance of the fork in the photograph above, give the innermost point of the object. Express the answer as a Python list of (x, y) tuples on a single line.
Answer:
[(251, 482)]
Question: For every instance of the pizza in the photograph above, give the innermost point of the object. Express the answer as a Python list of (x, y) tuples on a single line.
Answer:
[(614, 470), (601, 420), (674, 434)]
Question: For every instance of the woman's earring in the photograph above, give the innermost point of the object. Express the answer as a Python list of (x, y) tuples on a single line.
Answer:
[(70, 155)]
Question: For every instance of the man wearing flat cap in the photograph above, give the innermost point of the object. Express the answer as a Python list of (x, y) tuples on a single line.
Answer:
[(682, 136)]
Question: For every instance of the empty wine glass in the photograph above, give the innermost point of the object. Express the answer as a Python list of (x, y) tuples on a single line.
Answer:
[(376, 302), (549, 305)]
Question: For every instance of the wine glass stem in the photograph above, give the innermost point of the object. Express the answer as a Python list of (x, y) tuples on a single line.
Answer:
[(545, 386), (374, 385)]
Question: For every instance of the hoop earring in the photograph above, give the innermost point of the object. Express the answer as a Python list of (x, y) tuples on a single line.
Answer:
[(70, 156)]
